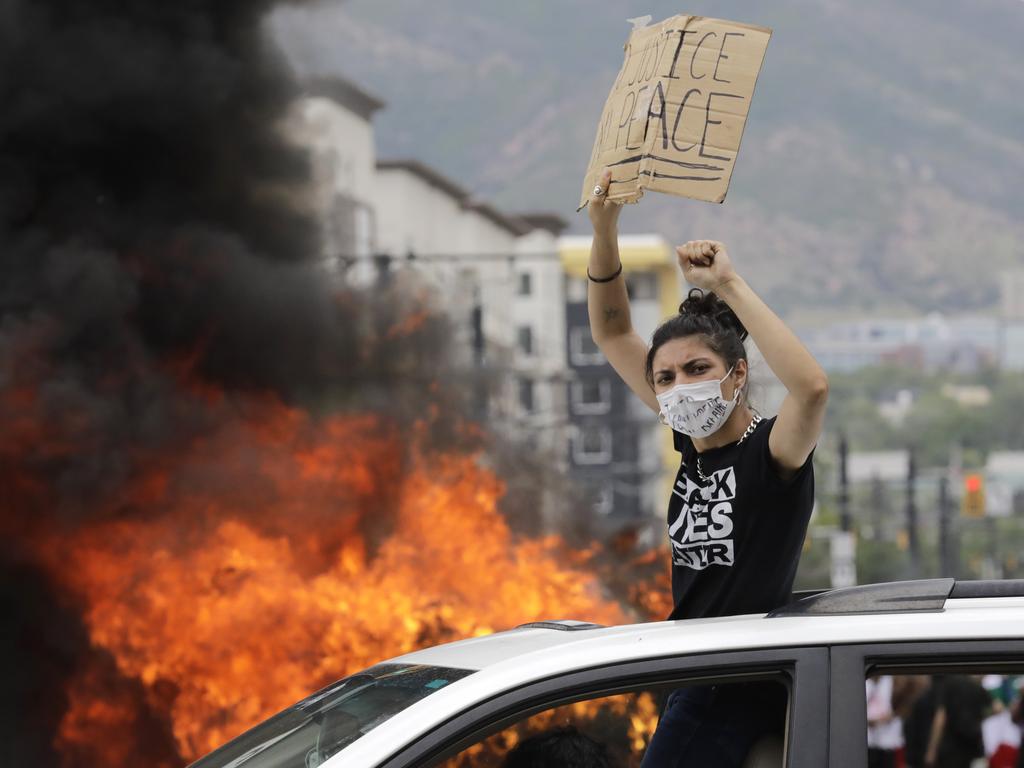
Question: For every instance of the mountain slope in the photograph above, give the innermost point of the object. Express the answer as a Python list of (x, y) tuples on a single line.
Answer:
[(881, 167)]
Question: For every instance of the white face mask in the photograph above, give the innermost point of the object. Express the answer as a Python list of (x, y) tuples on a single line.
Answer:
[(699, 409)]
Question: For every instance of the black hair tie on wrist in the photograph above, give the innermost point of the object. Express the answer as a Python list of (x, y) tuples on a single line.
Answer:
[(604, 279)]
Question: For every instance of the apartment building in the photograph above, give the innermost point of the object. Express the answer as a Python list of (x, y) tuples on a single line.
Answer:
[(618, 450), (333, 121), (497, 276)]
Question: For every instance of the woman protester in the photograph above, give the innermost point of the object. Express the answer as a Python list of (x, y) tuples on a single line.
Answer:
[(743, 494)]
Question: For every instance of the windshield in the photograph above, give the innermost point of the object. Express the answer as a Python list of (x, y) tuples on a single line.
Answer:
[(305, 735)]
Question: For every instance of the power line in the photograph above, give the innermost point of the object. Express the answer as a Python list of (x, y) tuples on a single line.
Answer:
[(413, 257)]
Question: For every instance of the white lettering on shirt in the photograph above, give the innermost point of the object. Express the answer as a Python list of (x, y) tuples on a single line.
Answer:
[(700, 534)]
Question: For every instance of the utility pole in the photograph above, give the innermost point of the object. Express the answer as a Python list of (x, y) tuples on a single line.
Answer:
[(479, 346), (382, 266), (879, 507), (946, 568), (996, 568), (955, 475), (912, 512), (844, 485)]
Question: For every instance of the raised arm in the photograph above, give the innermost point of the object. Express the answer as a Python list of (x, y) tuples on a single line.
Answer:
[(608, 302), (706, 264)]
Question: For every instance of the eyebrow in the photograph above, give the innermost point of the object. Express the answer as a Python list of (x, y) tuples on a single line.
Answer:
[(688, 364)]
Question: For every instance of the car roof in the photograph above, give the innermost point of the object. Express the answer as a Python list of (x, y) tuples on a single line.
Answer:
[(940, 609), (899, 611)]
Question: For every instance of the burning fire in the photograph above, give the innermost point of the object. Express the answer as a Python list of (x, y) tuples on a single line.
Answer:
[(217, 554), (282, 552), (623, 723)]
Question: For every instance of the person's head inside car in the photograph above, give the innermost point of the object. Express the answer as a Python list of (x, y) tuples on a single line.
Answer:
[(564, 747)]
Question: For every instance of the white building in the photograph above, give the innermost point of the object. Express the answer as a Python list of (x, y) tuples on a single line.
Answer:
[(465, 249), (1012, 358), (871, 466), (1004, 474), (1011, 286), (539, 317), (497, 277), (962, 343), (333, 121)]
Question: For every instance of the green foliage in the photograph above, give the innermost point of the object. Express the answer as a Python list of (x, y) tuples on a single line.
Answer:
[(933, 425), (935, 422), (863, 425), (877, 381), (814, 570), (1006, 413), (881, 561)]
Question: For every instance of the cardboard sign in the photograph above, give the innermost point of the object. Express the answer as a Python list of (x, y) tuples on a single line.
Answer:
[(676, 112)]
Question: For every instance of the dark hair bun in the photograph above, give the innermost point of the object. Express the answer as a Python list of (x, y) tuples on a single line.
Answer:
[(700, 304)]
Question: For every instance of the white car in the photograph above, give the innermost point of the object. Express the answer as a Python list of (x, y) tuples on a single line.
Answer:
[(466, 702)]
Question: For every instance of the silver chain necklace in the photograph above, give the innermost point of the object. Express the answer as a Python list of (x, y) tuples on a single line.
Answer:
[(746, 433)]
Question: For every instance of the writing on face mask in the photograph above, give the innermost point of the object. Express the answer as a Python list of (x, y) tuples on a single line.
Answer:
[(698, 409), (718, 410)]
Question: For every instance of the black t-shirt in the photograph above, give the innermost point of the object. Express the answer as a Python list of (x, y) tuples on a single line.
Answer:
[(737, 550), (966, 704)]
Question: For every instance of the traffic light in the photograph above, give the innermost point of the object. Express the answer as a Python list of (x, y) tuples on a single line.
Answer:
[(972, 504)]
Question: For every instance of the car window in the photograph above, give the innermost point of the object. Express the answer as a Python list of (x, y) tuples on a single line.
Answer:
[(971, 715), (307, 734), (746, 719)]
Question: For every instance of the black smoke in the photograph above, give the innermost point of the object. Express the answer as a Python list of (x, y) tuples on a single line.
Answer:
[(126, 118), (142, 171), (150, 230), (149, 237)]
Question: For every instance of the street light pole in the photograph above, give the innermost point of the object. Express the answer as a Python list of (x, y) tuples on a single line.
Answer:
[(912, 512), (945, 561), (844, 485)]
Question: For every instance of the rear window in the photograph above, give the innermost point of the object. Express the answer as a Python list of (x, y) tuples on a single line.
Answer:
[(307, 734)]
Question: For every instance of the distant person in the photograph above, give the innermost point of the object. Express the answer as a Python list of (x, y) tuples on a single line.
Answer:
[(885, 728), (955, 739), (742, 497), (1017, 714), (907, 693), (999, 733), (564, 747), (906, 689), (917, 726)]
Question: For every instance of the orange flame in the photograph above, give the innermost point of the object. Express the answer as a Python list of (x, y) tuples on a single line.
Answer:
[(280, 553)]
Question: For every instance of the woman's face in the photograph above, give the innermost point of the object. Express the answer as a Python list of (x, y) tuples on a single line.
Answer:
[(687, 360)]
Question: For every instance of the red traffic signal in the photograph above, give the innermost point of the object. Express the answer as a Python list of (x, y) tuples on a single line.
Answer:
[(972, 504)]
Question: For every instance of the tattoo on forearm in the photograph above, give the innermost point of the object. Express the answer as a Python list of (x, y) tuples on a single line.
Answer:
[(610, 313)]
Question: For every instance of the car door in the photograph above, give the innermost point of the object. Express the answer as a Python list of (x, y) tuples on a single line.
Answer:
[(803, 672), (937, 661)]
